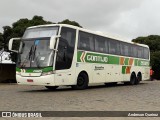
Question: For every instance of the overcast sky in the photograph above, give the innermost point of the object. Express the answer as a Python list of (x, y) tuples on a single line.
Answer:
[(127, 19)]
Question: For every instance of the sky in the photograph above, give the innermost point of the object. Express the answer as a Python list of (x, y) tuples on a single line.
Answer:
[(127, 19)]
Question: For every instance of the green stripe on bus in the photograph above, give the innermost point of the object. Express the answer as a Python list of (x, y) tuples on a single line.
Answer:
[(47, 69), (79, 56), (31, 70), (114, 60), (89, 57), (136, 62), (18, 69), (126, 61), (124, 69)]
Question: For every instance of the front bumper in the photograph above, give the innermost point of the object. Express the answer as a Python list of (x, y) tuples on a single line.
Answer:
[(47, 80)]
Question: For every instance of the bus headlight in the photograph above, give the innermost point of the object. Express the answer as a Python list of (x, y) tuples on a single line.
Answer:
[(18, 73)]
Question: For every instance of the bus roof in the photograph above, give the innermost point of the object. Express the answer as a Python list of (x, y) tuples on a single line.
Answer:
[(89, 31)]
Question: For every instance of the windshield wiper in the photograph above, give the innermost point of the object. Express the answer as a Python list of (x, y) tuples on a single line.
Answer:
[(34, 52), (27, 57), (35, 58)]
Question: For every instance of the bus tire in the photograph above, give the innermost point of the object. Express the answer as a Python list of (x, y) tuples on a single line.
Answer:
[(139, 78), (133, 79), (51, 87), (82, 82)]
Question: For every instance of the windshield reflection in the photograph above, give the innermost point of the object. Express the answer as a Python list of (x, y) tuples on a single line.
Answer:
[(35, 53)]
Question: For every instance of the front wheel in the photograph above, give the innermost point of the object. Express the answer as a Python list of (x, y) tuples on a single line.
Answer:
[(51, 87), (82, 82)]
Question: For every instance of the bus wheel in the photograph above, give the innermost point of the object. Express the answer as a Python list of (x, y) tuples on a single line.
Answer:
[(82, 82), (133, 79), (139, 78), (51, 87)]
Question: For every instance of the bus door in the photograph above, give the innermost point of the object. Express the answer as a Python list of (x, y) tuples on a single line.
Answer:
[(64, 72)]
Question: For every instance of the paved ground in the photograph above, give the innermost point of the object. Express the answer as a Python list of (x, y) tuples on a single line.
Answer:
[(143, 97)]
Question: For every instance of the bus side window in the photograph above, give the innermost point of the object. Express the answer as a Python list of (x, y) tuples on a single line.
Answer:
[(101, 44), (134, 51), (146, 53), (86, 41), (114, 47), (140, 52), (125, 49)]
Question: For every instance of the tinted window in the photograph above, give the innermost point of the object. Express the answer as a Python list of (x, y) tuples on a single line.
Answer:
[(125, 49), (114, 47), (65, 48), (134, 51), (86, 41), (140, 52), (146, 53), (101, 44)]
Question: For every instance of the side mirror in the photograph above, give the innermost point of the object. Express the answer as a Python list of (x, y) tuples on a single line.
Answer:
[(11, 44), (53, 42)]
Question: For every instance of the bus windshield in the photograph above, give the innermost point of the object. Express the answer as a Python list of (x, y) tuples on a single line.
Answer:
[(34, 50)]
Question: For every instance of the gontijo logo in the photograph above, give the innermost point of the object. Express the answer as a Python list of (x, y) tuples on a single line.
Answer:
[(97, 58), (94, 58)]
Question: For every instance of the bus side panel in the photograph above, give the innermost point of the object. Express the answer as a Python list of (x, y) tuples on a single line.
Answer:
[(99, 73), (113, 73), (86, 67)]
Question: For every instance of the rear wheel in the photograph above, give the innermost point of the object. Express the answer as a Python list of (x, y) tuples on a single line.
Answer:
[(139, 78), (51, 87), (132, 80), (82, 82)]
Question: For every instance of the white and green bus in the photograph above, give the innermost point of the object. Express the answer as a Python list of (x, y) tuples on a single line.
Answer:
[(64, 55)]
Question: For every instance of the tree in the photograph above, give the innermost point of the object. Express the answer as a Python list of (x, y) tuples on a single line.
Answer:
[(7, 34), (153, 41), (66, 21), (1, 41)]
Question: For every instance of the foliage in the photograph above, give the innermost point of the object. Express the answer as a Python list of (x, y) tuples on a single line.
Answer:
[(153, 41), (1, 41), (70, 23)]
